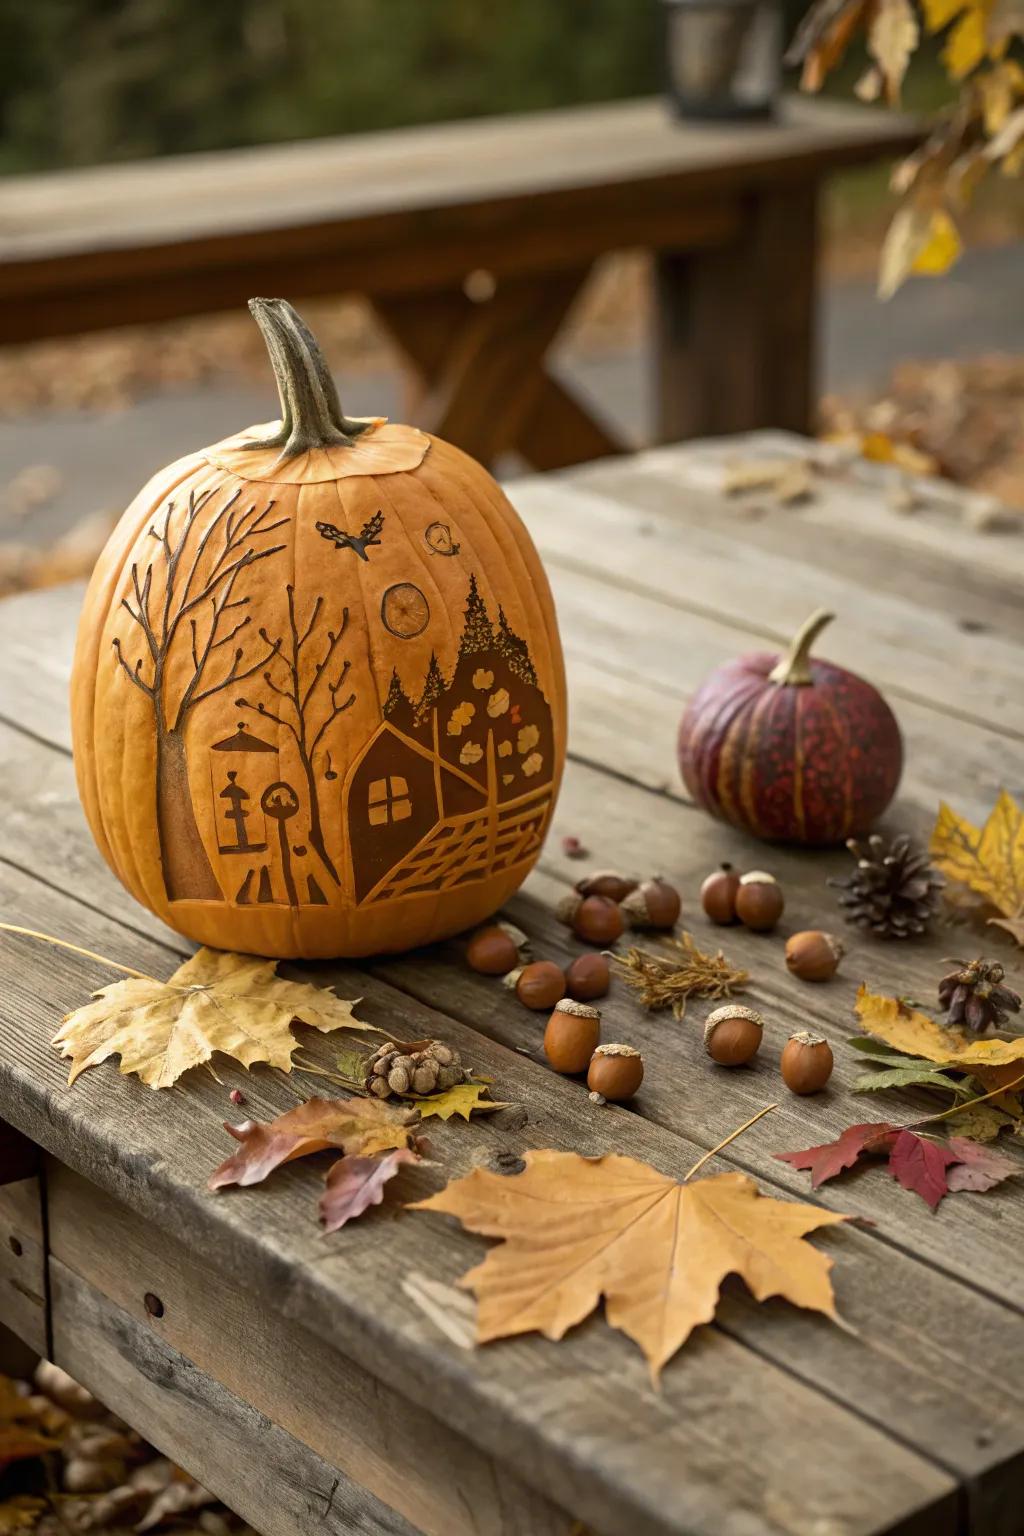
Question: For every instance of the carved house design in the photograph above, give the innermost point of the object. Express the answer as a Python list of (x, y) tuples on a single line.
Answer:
[(455, 786)]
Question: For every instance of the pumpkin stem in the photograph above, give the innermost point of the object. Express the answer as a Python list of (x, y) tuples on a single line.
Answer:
[(794, 669), (311, 414)]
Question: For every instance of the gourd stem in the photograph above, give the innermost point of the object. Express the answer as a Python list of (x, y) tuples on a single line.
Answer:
[(311, 414), (794, 669)]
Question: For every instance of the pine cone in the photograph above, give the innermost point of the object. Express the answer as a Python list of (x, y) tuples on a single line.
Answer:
[(975, 996), (431, 1068), (894, 890)]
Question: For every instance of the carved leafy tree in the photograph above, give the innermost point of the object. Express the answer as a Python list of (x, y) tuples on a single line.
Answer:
[(304, 711), (193, 610)]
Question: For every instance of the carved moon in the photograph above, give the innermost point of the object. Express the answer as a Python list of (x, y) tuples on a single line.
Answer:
[(404, 610)]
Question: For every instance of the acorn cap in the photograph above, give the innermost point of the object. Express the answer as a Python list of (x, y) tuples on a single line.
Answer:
[(578, 1010), (730, 1011), (808, 1037), (615, 1050), (758, 877)]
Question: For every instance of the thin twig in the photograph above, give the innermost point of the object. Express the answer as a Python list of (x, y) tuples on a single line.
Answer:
[(738, 1132), (968, 1104), (76, 949)]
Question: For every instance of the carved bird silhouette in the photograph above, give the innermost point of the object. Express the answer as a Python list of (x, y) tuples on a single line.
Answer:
[(360, 541)]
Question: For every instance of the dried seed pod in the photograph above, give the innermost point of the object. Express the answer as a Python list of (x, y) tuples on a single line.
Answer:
[(588, 977), (813, 955), (806, 1062), (431, 1068), (654, 904), (492, 951), (759, 901), (572, 1035), (615, 1071), (718, 894), (975, 995), (540, 985), (607, 882), (732, 1034)]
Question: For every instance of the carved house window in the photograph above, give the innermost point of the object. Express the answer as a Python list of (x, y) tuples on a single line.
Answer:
[(388, 801)]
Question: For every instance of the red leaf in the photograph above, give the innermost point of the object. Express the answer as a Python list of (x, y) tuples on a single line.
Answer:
[(833, 1156), (356, 1183), (361, 1126), (920, 1166), (978, 1167)]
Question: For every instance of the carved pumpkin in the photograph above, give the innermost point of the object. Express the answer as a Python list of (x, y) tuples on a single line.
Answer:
[(789, 748), (318, 701)]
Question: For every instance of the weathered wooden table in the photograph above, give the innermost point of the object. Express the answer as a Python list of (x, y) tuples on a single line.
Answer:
[(323, 1384), (472, 241)]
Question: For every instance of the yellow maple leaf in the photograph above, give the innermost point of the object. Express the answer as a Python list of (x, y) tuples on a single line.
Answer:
[(577, 1229), (216, 1001), (460, 1100), (998, 89), (967, 43), (892, 37), (939, 13), (989, 861), (909, 1030), (920, 239)]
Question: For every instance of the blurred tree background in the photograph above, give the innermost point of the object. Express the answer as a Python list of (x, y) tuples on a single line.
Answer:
[(83, 81)]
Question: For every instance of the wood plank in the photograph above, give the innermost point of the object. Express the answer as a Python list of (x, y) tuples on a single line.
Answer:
[(19, 1157), (629, 1461), (257, 1469), (399, 1453), (23, 1295)]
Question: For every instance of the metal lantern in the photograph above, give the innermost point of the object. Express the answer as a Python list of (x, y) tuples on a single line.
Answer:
[(723, 57)]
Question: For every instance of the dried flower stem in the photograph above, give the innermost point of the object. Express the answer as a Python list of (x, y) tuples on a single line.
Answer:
[(731, 1137), (76, 949), (661, 980)]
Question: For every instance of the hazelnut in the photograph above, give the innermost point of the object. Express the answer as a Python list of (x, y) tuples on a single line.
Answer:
[(541, 984), (759, 901), (813, 955), (806, 1062), (587, 978), (607, 882), (718, 894), (572, 1035), (654, 904), (732, 1034), (492, 951), (615, 1071), (594, 919)]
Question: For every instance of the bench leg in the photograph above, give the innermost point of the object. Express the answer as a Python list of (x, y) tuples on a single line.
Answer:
[(735, 333), (481, 368)]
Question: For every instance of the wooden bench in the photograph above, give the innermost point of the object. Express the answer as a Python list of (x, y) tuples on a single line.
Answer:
[(323, 1384), (510, 212)]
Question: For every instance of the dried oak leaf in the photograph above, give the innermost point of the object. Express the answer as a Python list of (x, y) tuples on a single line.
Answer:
[(909, 1030), (214, 1002), (989, 861), (577, 1229), (462, 1100), (357, 1127), (356, 1183)]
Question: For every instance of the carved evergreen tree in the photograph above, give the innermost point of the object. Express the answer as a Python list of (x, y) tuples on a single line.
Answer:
[(477, 635), (433, 687), (514, 651)]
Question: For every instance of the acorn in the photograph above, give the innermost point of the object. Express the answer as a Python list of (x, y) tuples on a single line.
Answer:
[(732, 1034), (813, 955), (607, 882), (492, 951), (594, 919), (588, 977), (654, 904), (615, 1071), (759, 901), (718, 894), (538, 985), (806, 1062), (572, 1035)]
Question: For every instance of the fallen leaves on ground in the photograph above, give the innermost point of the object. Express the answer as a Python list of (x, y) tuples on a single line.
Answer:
[(374, 1138), (989, 860), (907, 1029), (926, 1167), (789, 480), (216, 1001), (577, 1229), (462, 1100)]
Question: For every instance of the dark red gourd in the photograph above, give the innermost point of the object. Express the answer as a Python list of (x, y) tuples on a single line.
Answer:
[(790, 748)]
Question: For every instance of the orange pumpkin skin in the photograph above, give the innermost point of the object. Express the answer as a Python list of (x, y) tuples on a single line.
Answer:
[(318, 701)]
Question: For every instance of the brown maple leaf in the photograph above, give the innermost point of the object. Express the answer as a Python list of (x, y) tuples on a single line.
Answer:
[(214, 1002), (989, 860), (577, 1229), (357, 1127), (356, 1183)]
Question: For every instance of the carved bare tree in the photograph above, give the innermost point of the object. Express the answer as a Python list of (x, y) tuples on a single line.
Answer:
[(194, 610), (299, 693)]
